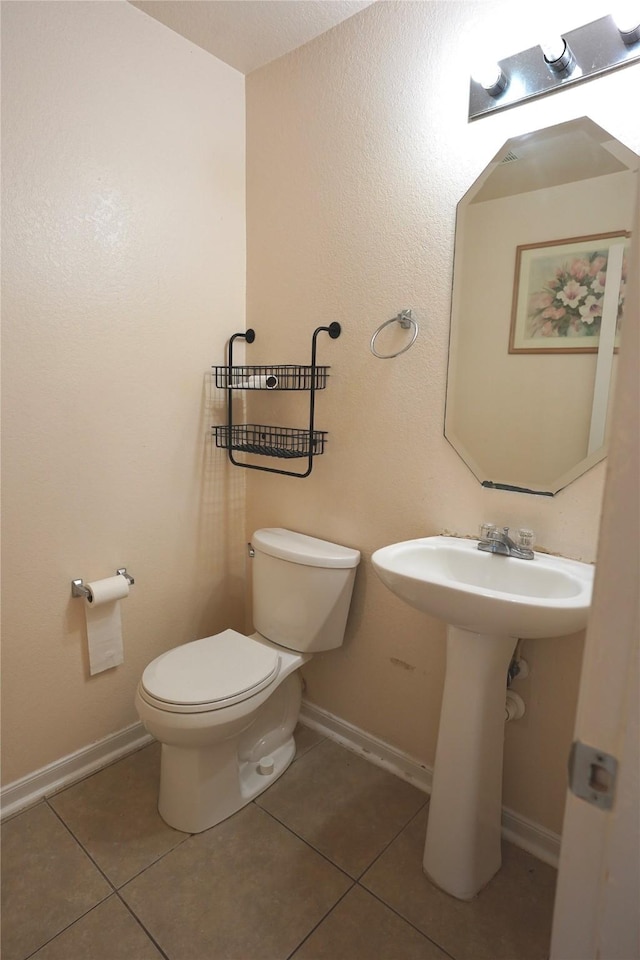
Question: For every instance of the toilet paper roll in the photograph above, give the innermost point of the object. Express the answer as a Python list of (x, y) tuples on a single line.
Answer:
[(266, 382), (104, 591), (104, 622)]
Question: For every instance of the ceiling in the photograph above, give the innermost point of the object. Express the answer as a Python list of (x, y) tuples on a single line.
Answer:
[(246, 34)]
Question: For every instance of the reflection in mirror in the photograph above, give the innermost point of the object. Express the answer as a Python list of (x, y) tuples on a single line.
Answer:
[(541, 255)]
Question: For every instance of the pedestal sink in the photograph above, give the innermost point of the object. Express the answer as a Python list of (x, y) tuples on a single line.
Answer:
[(488, 602)]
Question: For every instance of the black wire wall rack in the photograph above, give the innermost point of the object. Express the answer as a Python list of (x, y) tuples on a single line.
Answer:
[(276, 376), (271, 441)]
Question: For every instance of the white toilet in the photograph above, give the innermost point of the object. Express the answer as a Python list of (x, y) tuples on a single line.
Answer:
[(224, 708)]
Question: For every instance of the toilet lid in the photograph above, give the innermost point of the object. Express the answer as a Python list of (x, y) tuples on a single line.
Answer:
[(217, 668)]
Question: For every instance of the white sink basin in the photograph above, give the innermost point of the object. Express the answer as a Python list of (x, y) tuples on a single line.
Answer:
[(487, 593)]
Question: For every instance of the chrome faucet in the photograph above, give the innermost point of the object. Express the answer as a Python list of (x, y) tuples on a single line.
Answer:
[(493, 540)]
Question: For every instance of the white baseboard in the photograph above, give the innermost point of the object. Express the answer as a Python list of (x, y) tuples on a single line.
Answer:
[(357, 740), (76, 766), (530, 836), (535, 839)]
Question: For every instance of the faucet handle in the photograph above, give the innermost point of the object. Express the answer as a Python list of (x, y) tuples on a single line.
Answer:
[(486, 529), (526, 538)]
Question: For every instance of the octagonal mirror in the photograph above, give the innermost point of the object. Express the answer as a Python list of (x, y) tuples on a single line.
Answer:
[(541, 257)]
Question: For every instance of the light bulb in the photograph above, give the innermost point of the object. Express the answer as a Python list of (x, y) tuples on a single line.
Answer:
[(490, 76), (626, 17), (552, 47), (557, 53)]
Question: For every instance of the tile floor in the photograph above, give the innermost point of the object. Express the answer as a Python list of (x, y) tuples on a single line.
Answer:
[(325, 864)]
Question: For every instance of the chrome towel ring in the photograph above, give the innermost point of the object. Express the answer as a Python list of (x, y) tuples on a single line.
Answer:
[(406, 321)]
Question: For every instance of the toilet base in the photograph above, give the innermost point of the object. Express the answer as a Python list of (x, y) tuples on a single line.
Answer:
[(204, 784), (204, 808)]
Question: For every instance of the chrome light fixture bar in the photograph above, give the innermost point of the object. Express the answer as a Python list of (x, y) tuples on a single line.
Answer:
[(583, 53)]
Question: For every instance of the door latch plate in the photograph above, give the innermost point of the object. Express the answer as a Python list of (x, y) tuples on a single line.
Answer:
[(592, 774)]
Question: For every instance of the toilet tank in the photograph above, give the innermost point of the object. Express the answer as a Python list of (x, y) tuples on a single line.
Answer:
[(301, 589)]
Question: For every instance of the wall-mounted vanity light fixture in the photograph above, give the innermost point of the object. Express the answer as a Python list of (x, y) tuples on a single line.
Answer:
[(558, 61)]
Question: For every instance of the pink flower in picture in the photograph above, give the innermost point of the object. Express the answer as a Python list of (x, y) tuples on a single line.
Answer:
[(590, 309), (597, 264), (554, 313), (579, 269), (541, 300), (572, 293)]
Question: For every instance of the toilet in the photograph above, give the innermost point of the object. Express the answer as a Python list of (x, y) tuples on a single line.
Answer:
[(224, 708)]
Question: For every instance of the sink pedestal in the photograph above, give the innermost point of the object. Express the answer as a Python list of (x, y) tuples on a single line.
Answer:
[(462, 850), (493, 599)]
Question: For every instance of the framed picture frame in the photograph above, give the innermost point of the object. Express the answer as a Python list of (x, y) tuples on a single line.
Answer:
[(558, 294)]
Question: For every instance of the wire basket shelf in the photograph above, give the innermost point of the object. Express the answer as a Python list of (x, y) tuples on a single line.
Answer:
[(279, 376), (283, 442)]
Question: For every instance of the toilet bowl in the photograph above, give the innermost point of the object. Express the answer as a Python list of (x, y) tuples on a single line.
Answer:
[(224, 707)]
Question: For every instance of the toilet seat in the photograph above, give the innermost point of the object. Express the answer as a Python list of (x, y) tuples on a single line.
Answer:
[(209, 674)]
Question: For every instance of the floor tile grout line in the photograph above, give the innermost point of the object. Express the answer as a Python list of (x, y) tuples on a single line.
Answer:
[(116, 887), (56, 791), (81, 845), (308, 749), (322, 920), (114, 890), (306, 843), (69, 925), (160, 857), (324, 855), (353, 881), (142, 926), (356, 883), (384, 903), (395, 836), (393, 840), (113, 893)]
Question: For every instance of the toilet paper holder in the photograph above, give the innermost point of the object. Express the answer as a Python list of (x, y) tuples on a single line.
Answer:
[(78, 588)]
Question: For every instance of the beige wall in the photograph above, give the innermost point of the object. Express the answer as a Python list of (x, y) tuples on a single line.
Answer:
[(358, 151), (124, 274), (123, 254)]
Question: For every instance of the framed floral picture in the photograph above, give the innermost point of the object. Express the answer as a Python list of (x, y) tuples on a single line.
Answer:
[(559, 290)]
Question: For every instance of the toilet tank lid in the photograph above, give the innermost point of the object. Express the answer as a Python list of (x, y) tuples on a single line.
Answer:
[(299, 548)]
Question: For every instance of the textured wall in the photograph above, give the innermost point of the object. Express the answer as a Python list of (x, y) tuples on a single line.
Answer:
[(123, 248), (358, 151), (123, 262)]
